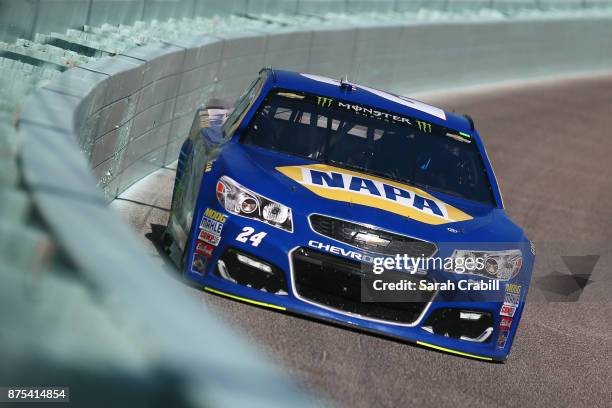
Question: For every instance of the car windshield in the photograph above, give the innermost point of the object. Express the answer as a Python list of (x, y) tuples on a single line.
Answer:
[(372, 141)]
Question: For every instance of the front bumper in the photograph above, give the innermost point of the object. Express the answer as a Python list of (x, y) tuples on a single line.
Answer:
[(278, 251)]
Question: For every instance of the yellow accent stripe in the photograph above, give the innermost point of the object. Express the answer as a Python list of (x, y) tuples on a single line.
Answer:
[(422, 343), (255, 302)]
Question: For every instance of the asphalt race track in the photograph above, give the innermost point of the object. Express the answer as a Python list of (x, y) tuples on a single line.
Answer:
[(551, 146)]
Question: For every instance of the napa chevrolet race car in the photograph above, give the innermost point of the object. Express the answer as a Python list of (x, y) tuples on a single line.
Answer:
[(352, 205)]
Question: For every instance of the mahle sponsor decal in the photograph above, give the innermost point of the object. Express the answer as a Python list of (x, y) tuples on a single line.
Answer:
[(213, 221), (345, 185), (512, 299)]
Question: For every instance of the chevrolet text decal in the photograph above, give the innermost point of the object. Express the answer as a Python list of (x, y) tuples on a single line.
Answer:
[(345, 185)]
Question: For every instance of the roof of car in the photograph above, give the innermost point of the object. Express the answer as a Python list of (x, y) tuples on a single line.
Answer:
[(364, 95)]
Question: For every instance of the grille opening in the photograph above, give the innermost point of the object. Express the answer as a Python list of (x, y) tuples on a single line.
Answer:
[(371, 239), (231, 268), (335, 282), (448, 322)]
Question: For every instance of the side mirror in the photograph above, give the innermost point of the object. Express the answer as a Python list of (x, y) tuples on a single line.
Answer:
[(214, 114)]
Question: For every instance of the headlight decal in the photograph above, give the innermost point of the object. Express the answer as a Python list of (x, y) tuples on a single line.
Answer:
[(239, 200)]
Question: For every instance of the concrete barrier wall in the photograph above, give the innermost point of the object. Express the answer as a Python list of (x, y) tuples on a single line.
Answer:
[(130, 113)]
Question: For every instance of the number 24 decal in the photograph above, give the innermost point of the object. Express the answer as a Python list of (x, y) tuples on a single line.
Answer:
[(247, 235)]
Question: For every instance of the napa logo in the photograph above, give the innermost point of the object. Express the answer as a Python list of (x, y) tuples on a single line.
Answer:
[(345, 185)]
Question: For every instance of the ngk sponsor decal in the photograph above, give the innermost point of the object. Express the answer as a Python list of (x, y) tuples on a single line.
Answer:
[(209, 237), (507, 310)]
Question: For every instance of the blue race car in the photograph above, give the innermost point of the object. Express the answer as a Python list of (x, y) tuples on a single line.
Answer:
[(351, 205)]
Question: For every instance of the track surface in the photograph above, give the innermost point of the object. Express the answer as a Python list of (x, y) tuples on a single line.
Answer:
[(551, 145)]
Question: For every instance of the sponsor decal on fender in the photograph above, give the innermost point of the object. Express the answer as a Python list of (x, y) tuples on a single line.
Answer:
[(513, 288), (507, 310), (512, 296), (199, 264), (345, 185), (502, 338), (213, 221), (209, 238), (505, 322), (511, 299), (204, 249), (215, 215)]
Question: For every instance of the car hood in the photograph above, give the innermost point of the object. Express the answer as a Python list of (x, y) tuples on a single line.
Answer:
[(310, 187)]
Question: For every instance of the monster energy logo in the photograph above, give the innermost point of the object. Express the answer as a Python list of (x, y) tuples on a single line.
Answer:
[(424, 126), (324, 102), (373, 113)]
